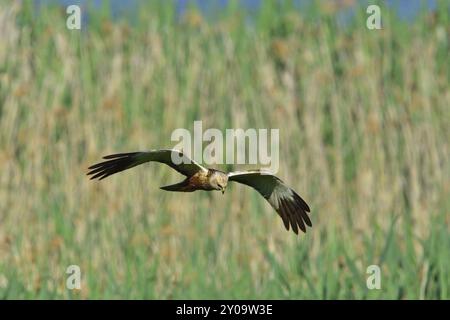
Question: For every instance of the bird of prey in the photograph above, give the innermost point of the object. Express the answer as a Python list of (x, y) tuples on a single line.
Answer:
[(292, 209)]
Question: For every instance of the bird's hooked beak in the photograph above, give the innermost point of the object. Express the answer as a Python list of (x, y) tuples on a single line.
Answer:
[(223, 190)]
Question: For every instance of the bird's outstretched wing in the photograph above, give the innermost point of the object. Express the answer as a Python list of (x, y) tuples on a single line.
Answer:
[(286, 202), (121, 161)]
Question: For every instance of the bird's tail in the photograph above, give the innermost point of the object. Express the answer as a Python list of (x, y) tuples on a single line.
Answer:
[(182, 186)]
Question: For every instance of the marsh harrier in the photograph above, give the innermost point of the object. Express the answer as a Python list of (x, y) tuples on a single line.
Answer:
[(292, 209)]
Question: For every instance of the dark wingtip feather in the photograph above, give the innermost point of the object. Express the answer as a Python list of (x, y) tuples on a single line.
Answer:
[(101, 164), (119, 162), (289, 212), (294, 214), (120, 155), (302, 202), (303, 213), (285, 220), (298, 216), (306, 219)]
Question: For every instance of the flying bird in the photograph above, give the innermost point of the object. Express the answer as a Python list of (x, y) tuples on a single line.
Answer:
[(292, 209)]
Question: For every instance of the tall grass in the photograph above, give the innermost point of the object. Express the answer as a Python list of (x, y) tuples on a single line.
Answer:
[(364, 130)]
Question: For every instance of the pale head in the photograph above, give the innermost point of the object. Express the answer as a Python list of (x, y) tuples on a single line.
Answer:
[(218, 181)]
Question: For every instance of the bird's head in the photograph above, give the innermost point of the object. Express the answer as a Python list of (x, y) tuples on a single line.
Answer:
[(219, 181)]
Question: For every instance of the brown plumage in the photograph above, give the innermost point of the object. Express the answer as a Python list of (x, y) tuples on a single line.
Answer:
[(292, 209)]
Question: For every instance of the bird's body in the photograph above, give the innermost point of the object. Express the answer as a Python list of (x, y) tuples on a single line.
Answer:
[(288, 204), (202, 180)]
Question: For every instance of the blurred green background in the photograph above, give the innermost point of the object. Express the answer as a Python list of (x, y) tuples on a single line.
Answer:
[(364, 138)]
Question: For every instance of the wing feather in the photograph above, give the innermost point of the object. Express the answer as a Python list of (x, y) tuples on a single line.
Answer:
[(292, 209), (122, 161)]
